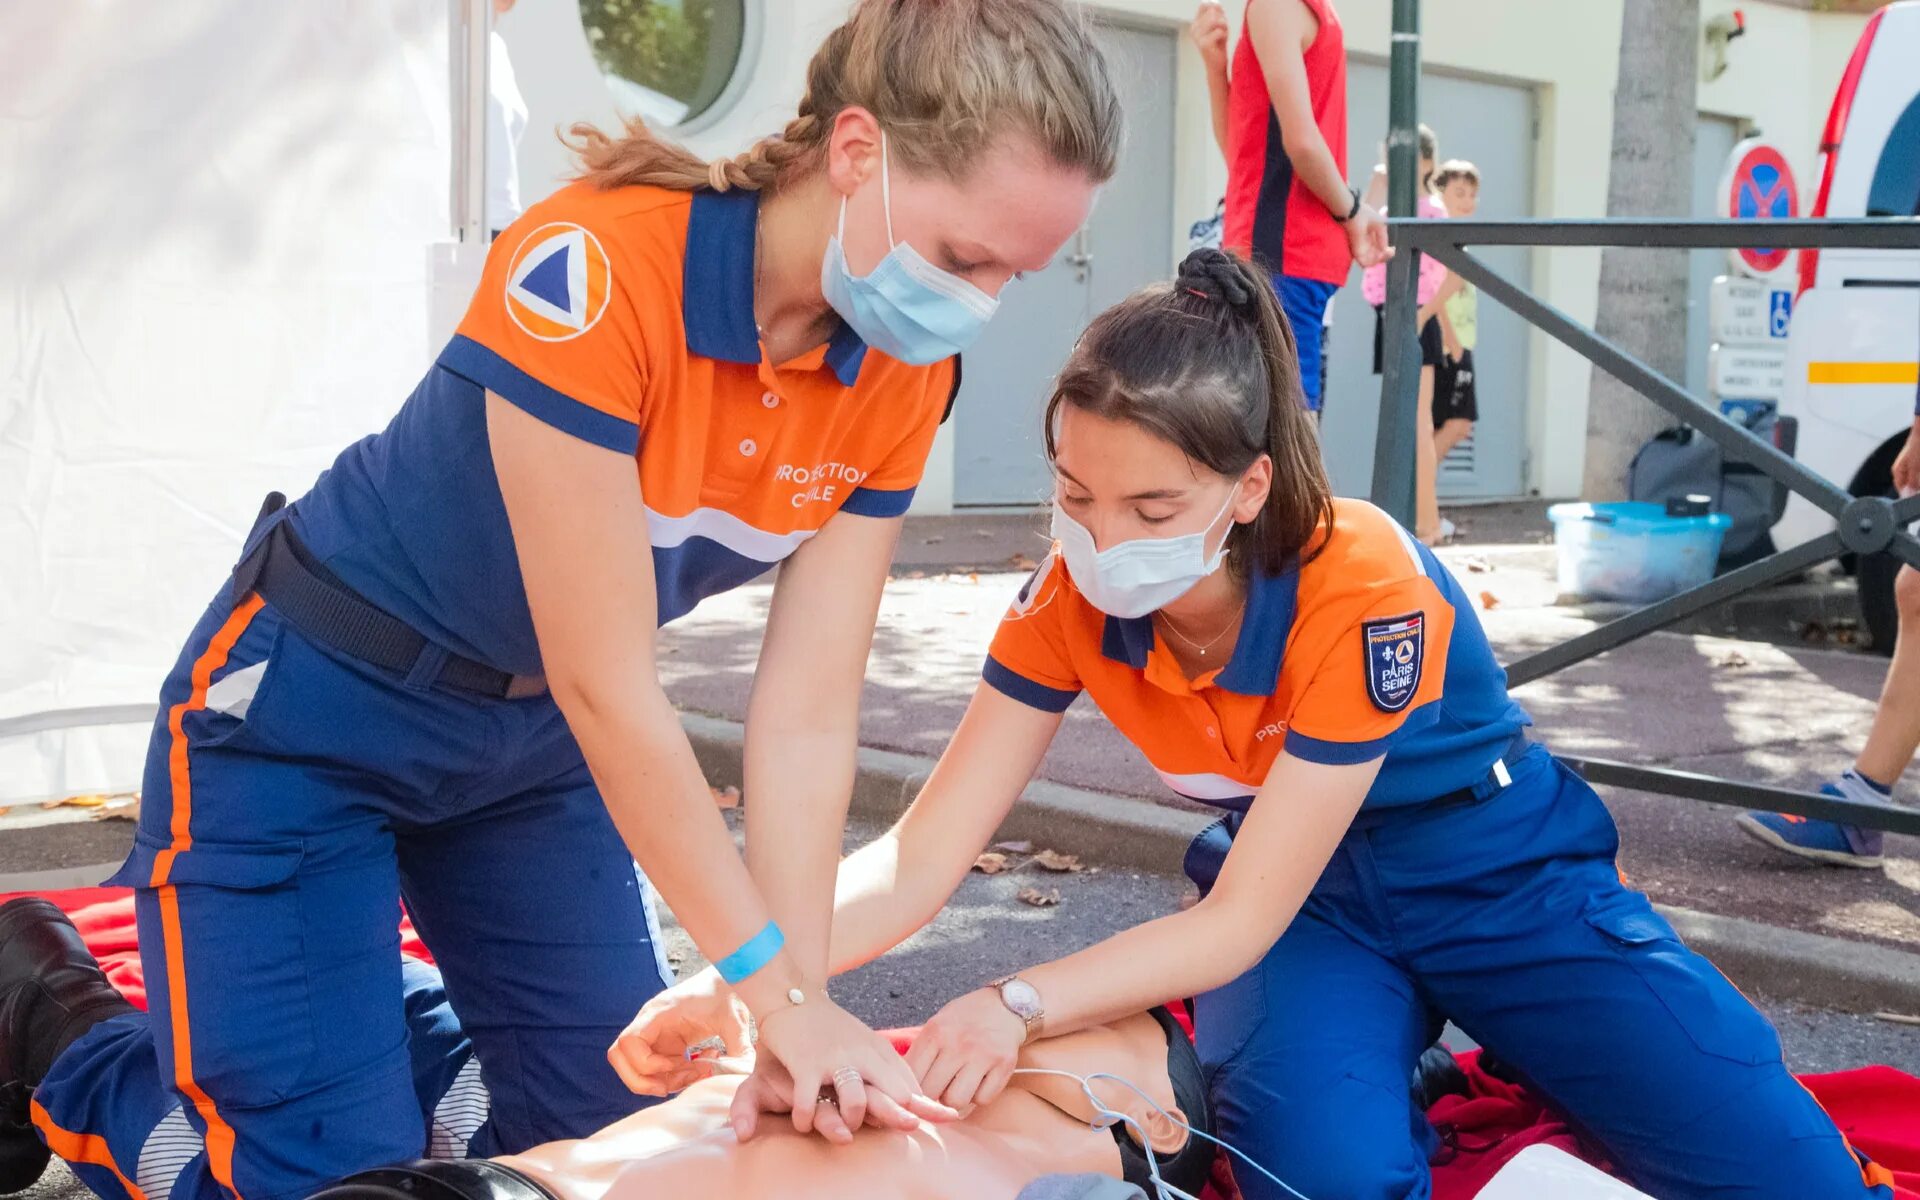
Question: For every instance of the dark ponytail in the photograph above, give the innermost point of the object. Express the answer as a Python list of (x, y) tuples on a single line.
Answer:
[(1208, 363)]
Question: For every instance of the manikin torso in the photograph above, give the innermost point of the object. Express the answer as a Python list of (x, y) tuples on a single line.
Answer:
[(1038, 1126)]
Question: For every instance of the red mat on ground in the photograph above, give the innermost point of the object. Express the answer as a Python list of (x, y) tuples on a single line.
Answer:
[(104, 917), (1878, 1108)]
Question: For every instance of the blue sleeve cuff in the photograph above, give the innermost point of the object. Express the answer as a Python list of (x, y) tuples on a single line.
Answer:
[(878, 502), (470, 360), (1016, 686), (1343, 754)]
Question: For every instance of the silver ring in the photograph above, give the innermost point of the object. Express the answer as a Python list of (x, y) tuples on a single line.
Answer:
[(847, 1077)]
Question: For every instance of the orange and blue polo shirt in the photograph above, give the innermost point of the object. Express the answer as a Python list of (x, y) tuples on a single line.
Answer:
[(1368, 650), (625, 318)]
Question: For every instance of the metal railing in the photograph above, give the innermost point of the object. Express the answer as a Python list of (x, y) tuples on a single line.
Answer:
[(1862, 524)]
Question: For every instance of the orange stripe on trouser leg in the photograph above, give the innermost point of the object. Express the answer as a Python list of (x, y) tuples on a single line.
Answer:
[(219, 1136), (86, 1148), (212, 660)]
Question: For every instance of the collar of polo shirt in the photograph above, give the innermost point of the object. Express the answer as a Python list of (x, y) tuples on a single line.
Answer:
[(718, 290), (1254, 669)]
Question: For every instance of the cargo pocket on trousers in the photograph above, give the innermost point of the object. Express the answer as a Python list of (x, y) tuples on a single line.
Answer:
[(1703, 1002), (236, 703), (228, 925)]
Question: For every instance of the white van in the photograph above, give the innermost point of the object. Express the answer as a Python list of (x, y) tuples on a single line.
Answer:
[(1853, 349)]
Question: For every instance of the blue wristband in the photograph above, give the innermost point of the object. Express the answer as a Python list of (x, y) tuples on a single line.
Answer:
[(738, 967)]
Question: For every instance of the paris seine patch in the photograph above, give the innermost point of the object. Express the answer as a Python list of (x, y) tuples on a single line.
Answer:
[(1395, 649)]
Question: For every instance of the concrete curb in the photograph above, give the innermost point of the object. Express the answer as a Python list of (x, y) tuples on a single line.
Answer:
[(1125, 831)]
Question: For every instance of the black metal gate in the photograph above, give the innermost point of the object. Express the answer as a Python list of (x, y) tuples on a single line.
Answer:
[(1862, 524)]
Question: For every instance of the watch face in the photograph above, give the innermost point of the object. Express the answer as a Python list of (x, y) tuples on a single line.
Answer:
[(1021, 997)]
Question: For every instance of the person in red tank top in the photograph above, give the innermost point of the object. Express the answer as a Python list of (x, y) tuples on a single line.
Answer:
[(1282, 118)]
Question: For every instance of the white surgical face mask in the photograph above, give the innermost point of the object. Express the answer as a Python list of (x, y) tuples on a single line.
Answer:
[(1134, 578)]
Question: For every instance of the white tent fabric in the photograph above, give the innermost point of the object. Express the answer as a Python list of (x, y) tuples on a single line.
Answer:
[(217, 217)]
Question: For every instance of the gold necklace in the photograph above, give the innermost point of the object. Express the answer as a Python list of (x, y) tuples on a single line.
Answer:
[(1211, 642)]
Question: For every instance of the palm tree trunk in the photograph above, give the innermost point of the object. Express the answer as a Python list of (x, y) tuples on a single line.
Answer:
[(1643, 293)]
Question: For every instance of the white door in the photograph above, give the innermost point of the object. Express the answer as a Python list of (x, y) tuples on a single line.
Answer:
[(998, 454), (1493, 126)]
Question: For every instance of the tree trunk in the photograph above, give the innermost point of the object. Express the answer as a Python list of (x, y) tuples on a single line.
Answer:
[(1643, 293)]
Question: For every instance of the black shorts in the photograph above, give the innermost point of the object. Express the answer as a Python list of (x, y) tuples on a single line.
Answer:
[(1454, 398), (1431, 353)]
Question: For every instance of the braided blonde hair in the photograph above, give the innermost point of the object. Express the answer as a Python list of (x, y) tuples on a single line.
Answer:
[(943, 78)]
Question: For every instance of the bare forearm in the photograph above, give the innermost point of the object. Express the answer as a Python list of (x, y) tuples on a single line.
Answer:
[(1180, 955), (877, 905), (798, 783), (1313, 165), (660, 802), (1277, 856)]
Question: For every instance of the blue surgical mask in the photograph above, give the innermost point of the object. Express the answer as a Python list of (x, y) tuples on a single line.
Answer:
[(1135, 578), (905, 307)]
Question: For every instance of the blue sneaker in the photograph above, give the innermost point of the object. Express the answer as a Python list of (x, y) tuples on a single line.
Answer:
[(1822, 841)]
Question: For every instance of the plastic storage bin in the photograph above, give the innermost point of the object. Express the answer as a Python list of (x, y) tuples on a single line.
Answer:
[(1633, 551)]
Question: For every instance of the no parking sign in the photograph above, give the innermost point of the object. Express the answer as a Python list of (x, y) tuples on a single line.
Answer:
[(1759, 186)]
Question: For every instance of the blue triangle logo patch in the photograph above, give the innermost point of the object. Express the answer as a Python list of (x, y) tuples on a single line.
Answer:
[(548, 280)]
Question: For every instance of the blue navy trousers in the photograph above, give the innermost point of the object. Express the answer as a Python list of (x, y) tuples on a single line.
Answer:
[(1508, 916), (293, 798)]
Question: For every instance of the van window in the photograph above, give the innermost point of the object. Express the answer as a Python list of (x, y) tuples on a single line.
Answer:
[(1896, 181)]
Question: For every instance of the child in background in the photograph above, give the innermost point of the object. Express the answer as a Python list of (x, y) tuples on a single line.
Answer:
[(1455, 405)]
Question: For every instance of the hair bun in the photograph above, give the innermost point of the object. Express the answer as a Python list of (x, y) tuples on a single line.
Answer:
[(1216, 275)]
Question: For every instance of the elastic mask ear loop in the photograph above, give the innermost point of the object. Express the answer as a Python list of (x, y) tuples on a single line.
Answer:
[(886, 189), (1219, 555), (1167, 1191)]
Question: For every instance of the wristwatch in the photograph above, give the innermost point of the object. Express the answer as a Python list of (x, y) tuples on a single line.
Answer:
[(1022, 1000), (1354, 211)]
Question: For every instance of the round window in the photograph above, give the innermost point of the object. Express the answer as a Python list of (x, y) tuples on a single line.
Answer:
[(667, 61)]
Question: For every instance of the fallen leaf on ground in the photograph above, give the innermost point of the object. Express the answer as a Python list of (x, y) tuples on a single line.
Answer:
[(1053, 860), (1489, 601), (973, 577), (1732, 660), (1022, 562), (1038, 898), (5, 811), (92, 801), (726, 797), (990, 863), (1478, 565), (1014, 847), (935, 540)]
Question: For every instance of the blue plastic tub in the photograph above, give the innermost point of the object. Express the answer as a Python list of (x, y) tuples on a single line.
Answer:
[(1633, 551)]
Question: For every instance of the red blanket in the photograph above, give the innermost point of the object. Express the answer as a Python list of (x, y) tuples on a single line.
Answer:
[(104, 917), (1878, 1108)]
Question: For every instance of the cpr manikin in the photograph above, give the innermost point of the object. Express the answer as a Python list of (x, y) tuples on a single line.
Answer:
[(1041, 1125)]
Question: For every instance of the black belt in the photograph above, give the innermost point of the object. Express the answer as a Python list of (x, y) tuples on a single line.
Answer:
[(1496, 778), (1492, 781), (313, 600)]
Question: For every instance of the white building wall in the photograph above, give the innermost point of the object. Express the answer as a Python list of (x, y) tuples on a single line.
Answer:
[(1780, 79)]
